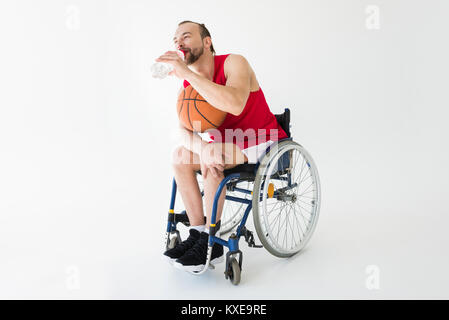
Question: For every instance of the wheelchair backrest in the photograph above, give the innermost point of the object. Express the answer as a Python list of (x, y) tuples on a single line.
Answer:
[(284, 121)]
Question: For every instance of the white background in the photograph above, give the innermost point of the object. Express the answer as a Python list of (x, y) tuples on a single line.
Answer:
[(86, 140)]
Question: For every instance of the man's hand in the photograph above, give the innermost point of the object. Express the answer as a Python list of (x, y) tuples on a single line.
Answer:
[(213, 158), (180, 68)]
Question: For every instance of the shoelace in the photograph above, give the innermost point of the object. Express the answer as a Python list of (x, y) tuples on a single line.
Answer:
[(187, 243), (199, 250)]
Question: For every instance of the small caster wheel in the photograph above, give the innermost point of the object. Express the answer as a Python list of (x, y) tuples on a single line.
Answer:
[(234, 271)]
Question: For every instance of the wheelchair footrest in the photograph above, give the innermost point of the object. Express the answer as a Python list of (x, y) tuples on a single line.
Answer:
[(183, 218)]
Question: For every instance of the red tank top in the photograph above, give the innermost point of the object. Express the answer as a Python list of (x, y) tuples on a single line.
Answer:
[(256, 124)]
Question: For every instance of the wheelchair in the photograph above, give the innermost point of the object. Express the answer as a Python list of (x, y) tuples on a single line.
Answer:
[(283, 192)]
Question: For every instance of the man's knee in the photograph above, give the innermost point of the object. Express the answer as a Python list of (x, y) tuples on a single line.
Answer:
[(179, 156)]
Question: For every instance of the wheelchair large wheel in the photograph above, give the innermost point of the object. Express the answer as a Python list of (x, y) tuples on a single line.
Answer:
[(286, 199)]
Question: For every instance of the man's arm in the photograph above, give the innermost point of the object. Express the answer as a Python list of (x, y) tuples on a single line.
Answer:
[(233, 96)]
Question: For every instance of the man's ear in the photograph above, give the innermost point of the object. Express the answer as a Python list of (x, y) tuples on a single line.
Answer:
[(207, 41)]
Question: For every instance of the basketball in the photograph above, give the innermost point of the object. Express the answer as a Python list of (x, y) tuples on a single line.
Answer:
[(195, 113)]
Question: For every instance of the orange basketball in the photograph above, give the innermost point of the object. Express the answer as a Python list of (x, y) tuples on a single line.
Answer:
[(195, 113)]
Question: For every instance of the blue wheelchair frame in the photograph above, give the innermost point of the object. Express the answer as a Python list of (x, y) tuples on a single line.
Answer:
[(232, 243)]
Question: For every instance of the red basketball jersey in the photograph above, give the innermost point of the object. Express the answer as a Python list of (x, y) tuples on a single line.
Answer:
[(257, 123)]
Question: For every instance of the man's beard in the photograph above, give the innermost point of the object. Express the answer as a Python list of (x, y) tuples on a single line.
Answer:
[(193, 56)]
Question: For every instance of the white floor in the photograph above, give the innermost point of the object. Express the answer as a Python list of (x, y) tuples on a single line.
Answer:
[(352, 255)]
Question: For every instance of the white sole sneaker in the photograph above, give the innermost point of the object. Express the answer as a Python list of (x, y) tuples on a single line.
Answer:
[(170, 260), (197, 268)]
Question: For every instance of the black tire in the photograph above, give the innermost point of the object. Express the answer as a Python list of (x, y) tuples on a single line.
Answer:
[(235, 272)]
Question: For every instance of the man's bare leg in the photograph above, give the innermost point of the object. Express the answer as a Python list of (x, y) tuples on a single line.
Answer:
[(194, 259), (185, 163)]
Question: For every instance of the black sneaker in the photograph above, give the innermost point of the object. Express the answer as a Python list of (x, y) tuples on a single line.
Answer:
[(180, 249), (194, 259)]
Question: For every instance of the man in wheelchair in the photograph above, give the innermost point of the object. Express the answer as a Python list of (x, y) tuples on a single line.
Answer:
[(228, 83)]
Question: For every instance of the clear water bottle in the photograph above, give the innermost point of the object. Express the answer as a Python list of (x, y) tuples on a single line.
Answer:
[(161, 70)]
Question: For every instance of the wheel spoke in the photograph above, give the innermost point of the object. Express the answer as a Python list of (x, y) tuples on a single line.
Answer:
[(279, 226), (291, 227), (298, 226), (313, 190), (303, 208), (302, 168), (274, 220), (304, 219), (305, 202), (304, 191)]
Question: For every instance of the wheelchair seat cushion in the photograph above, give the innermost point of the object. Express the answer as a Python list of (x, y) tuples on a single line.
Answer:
[(247, 170)]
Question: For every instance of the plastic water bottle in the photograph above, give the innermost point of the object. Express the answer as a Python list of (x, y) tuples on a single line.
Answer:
[(161, 70)]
